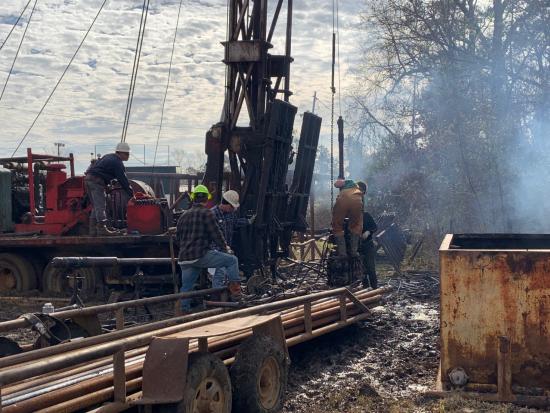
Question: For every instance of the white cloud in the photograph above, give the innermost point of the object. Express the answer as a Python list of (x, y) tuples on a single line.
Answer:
[(88, 107)]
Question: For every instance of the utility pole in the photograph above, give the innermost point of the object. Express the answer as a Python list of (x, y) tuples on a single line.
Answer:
[(314, 102), (59, 145)]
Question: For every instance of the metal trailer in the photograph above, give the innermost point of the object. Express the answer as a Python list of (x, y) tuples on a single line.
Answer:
[(176, 364), (495, 329)]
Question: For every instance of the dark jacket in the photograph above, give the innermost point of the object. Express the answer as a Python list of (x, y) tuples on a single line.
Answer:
[(110, 167), (196, 231), (369, 225)]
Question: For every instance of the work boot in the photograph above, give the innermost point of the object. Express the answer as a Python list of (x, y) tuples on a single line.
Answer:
[(354, 245), (340, 245), (102, 230), (92, 227), (235, 291)]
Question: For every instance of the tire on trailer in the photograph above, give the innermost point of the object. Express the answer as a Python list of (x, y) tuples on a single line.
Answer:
[(207, 387), (16, 273), (259, 376), (55, 281)]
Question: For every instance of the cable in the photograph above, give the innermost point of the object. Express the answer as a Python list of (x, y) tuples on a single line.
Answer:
[(112, 121), (333, 90), (338, 59), (18, 49), (60, 79), (135, 69), (15, 25), (167, 84)]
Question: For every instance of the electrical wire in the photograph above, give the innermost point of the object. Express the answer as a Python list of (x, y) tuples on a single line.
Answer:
[(338, 59), (135, 69), (15, 24), (60, 79), (167, 84), (18, 49)]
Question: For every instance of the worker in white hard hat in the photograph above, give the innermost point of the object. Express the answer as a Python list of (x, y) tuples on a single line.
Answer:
[(98, 176), (228, 220)]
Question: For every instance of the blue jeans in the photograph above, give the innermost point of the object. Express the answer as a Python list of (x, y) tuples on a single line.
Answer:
[(212, 259), (220, 276)]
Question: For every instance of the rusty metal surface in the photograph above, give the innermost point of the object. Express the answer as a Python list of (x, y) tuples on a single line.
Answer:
[(488, 293), (165, 370), (226, 327)]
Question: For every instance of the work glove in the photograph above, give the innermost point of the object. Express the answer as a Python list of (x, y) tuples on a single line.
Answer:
[(251, 219), (229, 251), (365, 234)]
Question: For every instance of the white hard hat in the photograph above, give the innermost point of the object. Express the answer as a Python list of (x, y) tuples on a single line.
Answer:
[(122, 147), (232, 197)]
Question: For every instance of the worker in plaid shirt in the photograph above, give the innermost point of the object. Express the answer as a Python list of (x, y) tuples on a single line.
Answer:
[(228, 220), (196, 230)]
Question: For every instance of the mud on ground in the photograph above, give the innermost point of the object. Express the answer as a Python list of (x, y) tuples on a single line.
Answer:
[(382, 364)]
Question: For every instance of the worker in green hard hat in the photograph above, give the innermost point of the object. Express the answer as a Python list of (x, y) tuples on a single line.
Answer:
[(196, 231)]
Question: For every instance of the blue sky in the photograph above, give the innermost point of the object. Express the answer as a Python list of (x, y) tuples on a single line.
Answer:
[(87, 110)]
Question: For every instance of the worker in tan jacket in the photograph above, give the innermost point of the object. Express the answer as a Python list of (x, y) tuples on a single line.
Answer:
[(349, 204)]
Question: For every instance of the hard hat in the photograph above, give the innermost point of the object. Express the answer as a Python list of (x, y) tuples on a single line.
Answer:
[(122, 147), (232, 197), (200, 189)]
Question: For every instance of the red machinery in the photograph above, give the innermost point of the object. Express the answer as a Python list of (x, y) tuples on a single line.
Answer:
[(147, 215), (63, 206)]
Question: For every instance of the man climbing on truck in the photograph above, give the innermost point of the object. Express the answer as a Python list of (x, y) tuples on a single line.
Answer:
[(98, 176), (196, 230)]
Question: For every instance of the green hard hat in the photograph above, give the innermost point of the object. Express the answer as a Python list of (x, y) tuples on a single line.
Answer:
[(200, 189)]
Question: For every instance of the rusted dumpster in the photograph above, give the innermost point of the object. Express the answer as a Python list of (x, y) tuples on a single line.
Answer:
[(495, 316)]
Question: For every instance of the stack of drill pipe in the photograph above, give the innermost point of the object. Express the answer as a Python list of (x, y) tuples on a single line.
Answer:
[(320, 315), (86, 385)]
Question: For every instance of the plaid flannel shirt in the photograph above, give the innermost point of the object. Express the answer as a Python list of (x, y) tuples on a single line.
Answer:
[(227, 221), (196, 231)]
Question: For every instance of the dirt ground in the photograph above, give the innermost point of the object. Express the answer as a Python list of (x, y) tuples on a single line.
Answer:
[(383, 364)]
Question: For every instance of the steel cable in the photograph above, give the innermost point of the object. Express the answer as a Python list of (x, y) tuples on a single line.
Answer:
[(18, 49), (15, 25), (60, 79), (167, 84), (135, 69)]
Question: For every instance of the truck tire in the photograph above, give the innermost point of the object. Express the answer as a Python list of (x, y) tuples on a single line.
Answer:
[(259, 376), (16, 273), (55, 281), (207, 388)]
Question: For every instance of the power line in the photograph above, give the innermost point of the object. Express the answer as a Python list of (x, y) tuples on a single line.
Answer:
[(15, 24), (113, 121), (167, 83), (60, 79), (137, 57), (18, 49)]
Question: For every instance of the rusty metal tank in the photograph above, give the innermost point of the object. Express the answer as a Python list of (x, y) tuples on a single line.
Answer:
[(495, 285)]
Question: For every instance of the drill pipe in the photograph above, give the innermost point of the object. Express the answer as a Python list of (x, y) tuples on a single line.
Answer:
[(294, 320), (107, 308), (8, 376), (316, 313)]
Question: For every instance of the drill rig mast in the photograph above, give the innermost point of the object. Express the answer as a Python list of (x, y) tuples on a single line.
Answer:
[(259, 152)]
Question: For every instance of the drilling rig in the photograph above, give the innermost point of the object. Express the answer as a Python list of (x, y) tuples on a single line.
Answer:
[(259, 153)]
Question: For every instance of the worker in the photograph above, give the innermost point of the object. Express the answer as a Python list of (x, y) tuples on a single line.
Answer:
[(98, 176), (228, 220), (349, 204), (366, 246), (196, 230)]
